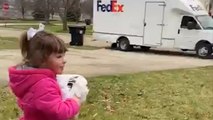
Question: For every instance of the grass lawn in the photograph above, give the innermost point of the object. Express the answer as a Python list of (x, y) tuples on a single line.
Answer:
[(31, 21), (84, 47), (18, 21), (13, 43), (9, 43), (50, 28), (185, 94)]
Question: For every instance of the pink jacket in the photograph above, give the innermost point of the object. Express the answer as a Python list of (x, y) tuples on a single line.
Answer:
[(39, 95)]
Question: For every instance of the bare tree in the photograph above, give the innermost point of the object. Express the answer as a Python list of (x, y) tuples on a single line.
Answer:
[(52, 8), (47, 10), (21, 6), (87, 7), (62, 8), (43, 7), (39, 9), (63, 12)]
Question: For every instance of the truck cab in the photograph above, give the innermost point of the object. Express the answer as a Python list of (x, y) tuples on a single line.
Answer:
[(196, 33)]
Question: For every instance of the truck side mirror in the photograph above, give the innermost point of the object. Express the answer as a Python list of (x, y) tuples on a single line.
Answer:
[(191, 25)]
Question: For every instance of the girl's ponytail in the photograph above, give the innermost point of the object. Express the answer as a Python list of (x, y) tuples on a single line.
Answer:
[(24, 45)]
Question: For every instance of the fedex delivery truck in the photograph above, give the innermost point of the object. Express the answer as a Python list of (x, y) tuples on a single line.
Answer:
[(178, 24)]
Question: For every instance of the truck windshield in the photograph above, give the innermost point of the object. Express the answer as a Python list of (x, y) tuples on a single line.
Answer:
[(206, 22)]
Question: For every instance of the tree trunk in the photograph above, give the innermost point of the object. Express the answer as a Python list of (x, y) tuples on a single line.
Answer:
[(63, 12), (64, 24), (22, 12), (47, 11), (52, 13), (65, 20), (22, 8), (47, 21)]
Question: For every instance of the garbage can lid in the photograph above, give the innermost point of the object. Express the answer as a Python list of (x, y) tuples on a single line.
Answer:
[(78, 25)]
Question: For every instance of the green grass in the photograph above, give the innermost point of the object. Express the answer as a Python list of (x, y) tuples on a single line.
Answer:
[(27, 21), (89, 30), (185, 94), (13, 43), (9, 43), (84, 47), (50, 28), (33, 21), (8, 110), (18, 21)]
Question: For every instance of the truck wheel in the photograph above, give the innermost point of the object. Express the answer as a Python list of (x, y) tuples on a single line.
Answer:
[(144, 48), (123, 44), (184, 50), (113, 46), (204, 50)]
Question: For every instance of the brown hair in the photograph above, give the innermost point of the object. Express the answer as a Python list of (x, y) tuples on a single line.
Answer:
[(36, 50)]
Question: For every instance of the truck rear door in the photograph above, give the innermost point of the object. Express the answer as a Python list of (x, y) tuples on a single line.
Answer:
[(153, 23)]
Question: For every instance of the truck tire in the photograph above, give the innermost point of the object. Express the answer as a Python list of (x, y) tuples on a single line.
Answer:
[(204, 50), (145, 48), (123, 44), (184, 50), (113, 46)]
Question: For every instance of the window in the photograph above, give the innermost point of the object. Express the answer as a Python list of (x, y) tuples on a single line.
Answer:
[(206, 22), (186, 20)]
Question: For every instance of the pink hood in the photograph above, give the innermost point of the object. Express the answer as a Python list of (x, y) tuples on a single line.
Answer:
[(39, 95), (22, 80)]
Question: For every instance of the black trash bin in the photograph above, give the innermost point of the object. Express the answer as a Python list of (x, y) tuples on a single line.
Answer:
[(77, 34)]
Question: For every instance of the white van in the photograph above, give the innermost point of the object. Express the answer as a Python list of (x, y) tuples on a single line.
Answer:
[(179, 24)]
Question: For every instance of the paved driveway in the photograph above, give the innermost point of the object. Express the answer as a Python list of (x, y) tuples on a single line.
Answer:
[(106, 61)]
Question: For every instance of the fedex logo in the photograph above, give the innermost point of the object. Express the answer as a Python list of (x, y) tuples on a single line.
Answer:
[(196, 8), (112, 7)]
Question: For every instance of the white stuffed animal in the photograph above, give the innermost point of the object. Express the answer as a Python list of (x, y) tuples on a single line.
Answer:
[(73, 85)]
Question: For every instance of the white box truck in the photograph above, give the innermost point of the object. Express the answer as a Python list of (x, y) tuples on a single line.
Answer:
[(178, 24)]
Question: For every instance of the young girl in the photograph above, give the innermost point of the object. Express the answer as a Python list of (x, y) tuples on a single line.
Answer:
[(34, 81)]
